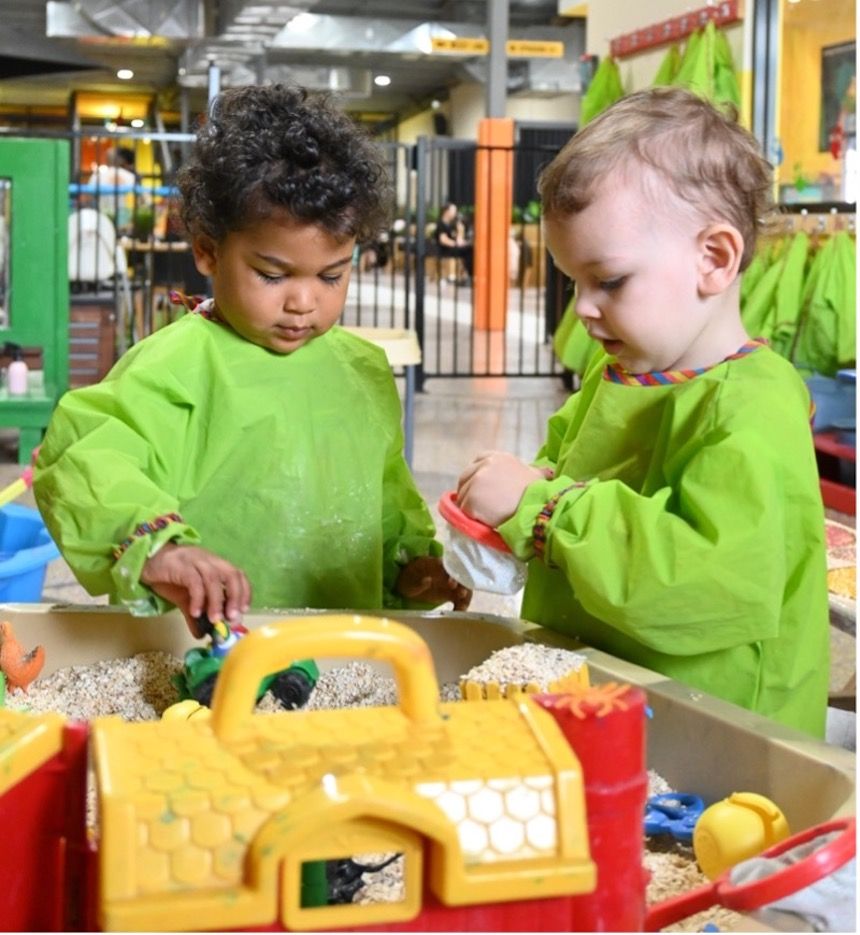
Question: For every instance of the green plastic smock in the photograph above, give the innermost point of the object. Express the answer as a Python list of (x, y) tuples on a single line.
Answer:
[(289, 466), (669, 67), (572, 344), (752, 274), (828, 327), (789, 295), (695, 546), (771, 306), (757, 307), (605, 89), (707, 67)]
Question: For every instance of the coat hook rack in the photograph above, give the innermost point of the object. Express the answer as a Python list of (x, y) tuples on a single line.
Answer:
[(671, 30)]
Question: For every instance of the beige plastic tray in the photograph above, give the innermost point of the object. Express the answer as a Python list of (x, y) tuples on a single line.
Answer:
[(696, 742)]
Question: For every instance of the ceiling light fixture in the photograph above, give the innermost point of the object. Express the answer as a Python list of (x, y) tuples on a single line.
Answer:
[(382, 81), (125, 74)]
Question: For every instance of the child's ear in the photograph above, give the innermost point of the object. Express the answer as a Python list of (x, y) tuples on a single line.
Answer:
[(204, 249), (721, 248)]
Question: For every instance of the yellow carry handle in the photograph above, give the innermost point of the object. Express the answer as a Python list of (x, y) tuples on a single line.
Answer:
[(275, 646)]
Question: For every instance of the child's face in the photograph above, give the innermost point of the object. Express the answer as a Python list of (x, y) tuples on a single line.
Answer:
[(636, 269), (280, 282)]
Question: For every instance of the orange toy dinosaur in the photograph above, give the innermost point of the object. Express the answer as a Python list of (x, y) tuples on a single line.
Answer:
[(19, 667)]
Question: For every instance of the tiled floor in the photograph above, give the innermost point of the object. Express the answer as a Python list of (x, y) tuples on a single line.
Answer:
[(454, 421)]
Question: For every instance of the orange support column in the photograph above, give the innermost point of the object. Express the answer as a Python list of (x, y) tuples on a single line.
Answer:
[(493, 197)]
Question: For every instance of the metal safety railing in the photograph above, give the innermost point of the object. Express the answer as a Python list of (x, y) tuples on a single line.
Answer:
[(127, 248)]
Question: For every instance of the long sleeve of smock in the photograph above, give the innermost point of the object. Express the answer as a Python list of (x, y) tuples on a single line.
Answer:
[(665, 567), (103, 480), (683, 530)]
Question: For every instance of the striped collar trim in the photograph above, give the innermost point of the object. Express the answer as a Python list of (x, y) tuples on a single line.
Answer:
[(197, 304), (615, 374)]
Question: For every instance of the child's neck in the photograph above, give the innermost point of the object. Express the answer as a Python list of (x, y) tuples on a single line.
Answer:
[(722, 336)]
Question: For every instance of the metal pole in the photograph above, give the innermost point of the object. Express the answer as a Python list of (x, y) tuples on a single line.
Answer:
[(184, 110), (765, 74), (184, 118), (421, 165), (214, 85), (497, 79)]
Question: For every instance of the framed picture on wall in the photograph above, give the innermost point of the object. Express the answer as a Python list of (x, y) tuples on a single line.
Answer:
[(838, 74)]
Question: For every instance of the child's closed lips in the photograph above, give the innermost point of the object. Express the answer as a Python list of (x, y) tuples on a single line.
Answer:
[(293, 331)]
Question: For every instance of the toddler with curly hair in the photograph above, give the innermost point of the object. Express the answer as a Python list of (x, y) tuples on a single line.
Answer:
[(251, 453)]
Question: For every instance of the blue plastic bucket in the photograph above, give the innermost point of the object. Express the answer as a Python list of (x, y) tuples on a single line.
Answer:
[(26, 548), (834, 401)]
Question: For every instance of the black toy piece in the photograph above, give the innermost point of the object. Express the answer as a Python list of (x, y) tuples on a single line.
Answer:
[(344, 878), (292, 686)]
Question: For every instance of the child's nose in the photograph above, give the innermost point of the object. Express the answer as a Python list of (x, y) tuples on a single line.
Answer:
[(300, 298), (585, 306)]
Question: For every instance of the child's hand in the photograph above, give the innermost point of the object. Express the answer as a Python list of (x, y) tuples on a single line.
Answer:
[(425, 579), (491, 487), (198, 581)]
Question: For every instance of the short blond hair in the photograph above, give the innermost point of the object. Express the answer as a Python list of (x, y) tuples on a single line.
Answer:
[(708, 160)]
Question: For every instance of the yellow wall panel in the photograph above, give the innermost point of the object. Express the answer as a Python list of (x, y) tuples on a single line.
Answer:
[(807, 29)]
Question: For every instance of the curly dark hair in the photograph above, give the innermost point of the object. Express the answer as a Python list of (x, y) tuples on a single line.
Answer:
[(265, 149)]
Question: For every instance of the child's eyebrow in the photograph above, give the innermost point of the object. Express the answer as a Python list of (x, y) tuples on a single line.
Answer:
[(285, 264), (603, 260)]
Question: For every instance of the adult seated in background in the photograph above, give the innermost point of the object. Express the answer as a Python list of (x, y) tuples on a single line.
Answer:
[(451, 238), (115, 180), (376, 254)]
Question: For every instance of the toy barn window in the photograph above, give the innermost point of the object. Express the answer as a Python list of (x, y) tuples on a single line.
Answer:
[(360, 841)]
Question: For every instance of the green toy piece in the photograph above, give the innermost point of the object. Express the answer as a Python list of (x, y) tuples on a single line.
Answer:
[(292, 686)]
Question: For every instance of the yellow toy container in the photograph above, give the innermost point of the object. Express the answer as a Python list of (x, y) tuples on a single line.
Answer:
[(738, 827)]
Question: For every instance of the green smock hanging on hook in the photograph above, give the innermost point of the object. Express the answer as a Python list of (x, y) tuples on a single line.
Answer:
[(669, 67), (605, 89), (827, 331), (726, 87), (697, 66), (708, 69), (789, 294)]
